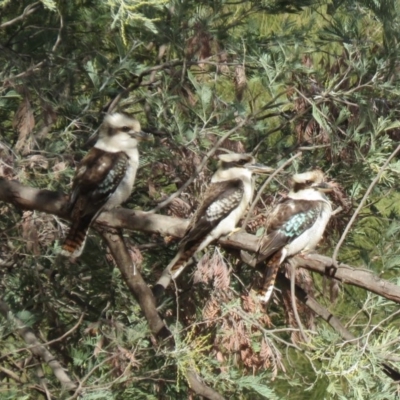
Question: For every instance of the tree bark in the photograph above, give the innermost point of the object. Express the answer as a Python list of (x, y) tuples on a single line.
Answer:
[(144, 296), (25, 197), (336, 324)]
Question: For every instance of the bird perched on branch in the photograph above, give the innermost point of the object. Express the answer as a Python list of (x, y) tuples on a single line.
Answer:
[(223, 204), (104, 178), (295, 226)]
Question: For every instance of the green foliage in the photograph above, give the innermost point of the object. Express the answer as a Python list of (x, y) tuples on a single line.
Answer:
[(322, 75)]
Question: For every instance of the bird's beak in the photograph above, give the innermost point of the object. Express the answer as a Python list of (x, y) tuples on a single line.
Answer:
[(259, 168), (146, 137), (323, 187)]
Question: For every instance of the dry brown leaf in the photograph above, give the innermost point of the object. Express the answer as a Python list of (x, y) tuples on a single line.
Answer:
[(211, 309), (201, 274), (59, 168), (179, 208), (99, 346), (129, 356), (23, 123), (37, 161), (240, 82), (30, 233), (219, 270), (136, 255), (222, 58)]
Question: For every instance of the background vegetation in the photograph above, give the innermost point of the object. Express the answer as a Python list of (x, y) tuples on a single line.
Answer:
[(277, 78)]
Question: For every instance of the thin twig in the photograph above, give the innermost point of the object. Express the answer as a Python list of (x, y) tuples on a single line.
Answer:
[(66, 334), (293, 300), (31, 8), (11, 374), (37, 348), (310, 148), (264, 185), (58, 41), (318, 110), (361, 205), (28, 71)]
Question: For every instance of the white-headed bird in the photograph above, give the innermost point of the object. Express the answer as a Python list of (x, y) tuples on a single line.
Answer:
[(295, 226), (224, 203), (104, 178)]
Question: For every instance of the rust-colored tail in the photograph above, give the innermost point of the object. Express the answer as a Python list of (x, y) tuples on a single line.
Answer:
[(174, 269), (76, 238), (270, 273), (178, 266)]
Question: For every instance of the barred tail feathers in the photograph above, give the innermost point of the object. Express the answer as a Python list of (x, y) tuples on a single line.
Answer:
[(175, 268), (76, 238), (270, 273)]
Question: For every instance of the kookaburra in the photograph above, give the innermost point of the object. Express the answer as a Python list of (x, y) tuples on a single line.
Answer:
[(104, 178), (223, 204), (295, 226)]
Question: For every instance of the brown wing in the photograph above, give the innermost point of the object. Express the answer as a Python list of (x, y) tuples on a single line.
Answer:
[(97, 177), (220, 199)]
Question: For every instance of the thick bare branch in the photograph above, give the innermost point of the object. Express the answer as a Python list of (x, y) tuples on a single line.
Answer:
[(134, 280), (55, 203), (29, 198), (336, 324), (347, 274), (360, 277), (200, 388), (144, 296)]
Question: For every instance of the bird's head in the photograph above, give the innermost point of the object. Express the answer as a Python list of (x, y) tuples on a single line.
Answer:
[(120, 132), (313, 180), (245, 161)]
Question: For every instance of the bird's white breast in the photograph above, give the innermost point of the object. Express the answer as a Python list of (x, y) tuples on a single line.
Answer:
[(125, 187), (309, 239), (228, 224)]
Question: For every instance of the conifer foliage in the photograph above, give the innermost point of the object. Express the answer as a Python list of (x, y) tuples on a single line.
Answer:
[(299, 84)]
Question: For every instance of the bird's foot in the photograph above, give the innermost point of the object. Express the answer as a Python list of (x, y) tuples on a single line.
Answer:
[(234, 231)]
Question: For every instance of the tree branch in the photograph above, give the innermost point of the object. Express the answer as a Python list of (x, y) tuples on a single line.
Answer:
[(200, 388), (134, 281), (37, 348), (31, 8), (335, 323), (56, 203), (360, 277), (144, 296), (361, 205)]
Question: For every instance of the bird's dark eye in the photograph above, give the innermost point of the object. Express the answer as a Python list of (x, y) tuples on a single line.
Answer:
[(125, 129), (309, 182), (242, 162)]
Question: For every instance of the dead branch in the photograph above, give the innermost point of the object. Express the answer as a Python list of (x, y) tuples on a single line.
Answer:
[(134, 281), (200, 388), (144, 296), (335, 323), (347, 274), (55, 203), (31, 8)]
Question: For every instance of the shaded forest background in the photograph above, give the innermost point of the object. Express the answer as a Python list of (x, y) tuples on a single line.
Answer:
[(300, 84)]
